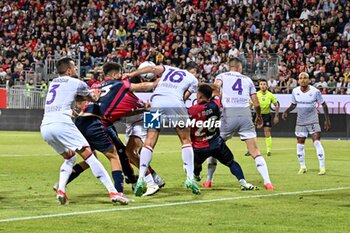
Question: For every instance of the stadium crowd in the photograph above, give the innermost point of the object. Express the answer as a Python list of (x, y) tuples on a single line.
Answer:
[(311, 36)]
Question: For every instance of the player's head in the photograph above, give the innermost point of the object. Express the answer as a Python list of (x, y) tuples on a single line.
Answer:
[(303, 79), (263, 84), (112, 70), (193, 68), (204, 92), (235, 64), (66, 66)]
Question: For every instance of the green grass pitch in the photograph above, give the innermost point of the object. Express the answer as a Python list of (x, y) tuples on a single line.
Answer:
[(300, 203)]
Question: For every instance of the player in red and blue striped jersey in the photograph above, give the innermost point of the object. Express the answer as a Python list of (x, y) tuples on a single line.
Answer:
[(205, 135), (116, 101)]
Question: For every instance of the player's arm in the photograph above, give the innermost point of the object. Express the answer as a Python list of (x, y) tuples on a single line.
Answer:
[(276, 118), (157, 70), (250, 104), (217, 84), (289, 109), (187, 95), (145, 86), (191, 89), (216, 90), (292, 106), (327, 121), (84, 93), (256, 104)]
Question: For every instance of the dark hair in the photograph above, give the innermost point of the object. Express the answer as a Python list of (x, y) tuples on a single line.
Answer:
[(262, 80), (111, 67), (205, 90), (234, 62), (192, 65), (63, 64)]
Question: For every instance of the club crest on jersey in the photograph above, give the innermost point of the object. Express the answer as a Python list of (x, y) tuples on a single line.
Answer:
[(151, 120)]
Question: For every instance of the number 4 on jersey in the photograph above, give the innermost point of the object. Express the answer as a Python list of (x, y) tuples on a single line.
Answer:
[(237, 86)]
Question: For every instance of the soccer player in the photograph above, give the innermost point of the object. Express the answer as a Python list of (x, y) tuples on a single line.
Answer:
[(135, 137), (304, 98), (266, 98), (206, 138), (237, 90), (174, 87), (119, 101), (116, 101), (59, 131)]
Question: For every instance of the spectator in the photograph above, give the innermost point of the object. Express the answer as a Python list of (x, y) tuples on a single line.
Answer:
[(43, 88), (272, 84), (8, 82), (332, 84), (304, 35), (29, 88)]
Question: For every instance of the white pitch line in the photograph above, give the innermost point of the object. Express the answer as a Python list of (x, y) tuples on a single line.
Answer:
[(171, 204), (24, 155), (51, 155)]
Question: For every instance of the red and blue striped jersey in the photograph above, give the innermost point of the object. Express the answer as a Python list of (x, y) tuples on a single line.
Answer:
[(209, 115), (115, 102)]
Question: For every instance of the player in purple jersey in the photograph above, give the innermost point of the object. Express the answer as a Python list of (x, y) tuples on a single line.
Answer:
[(59, 131), (304, 98), (175, 86)]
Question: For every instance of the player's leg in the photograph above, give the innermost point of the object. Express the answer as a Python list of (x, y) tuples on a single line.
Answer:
[(316, 137), (54, 135), (187, 158), (133, 146), (248, 134), (128, 171), (260, 162), (267, 132), (100, 173), (116, 168), (187, 150), (301, 133), (65, 171), (145, 160), (268, 140), (135, 136), (211, 166), (225, 156), (198, 158)]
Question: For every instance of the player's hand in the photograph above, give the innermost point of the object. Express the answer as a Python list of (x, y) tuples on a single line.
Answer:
[(327, 125), (147, 105), (276, 120), (127, 75), (95, 94), (284, 115), (259, 122)]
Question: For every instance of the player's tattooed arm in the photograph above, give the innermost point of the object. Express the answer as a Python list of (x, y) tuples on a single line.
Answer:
[(144, 87), (258, 120), (218, 85), (289, 109), (216, 89), (327, 121), (157, 70), (275, 119)]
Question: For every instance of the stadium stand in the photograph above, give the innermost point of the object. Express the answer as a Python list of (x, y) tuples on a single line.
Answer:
[(275, 39)]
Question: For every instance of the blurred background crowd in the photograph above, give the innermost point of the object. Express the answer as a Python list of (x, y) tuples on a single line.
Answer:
[(275, 39)]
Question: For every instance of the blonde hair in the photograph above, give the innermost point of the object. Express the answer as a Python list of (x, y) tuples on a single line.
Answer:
[(304, 73)]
